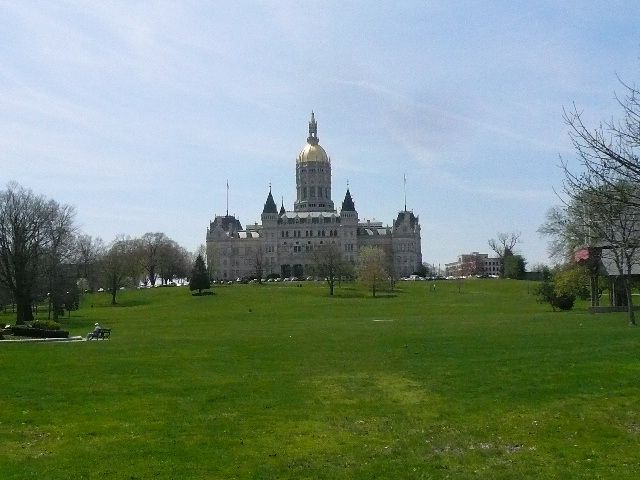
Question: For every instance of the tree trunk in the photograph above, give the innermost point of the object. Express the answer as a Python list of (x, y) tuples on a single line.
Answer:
[(595, 297), (632, 314), (23, 310)]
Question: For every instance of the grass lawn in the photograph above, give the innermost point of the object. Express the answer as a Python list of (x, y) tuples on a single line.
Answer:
[(280, 381)]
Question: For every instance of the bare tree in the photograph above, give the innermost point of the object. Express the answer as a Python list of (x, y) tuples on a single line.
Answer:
[(60, 248), (603, 194), (150, 246), (327, 263), (608, 155), (32, 231), (614, 227), (473, 264), (120, 265), (87, 256), (503, 246), (174, 261), (258, 262)]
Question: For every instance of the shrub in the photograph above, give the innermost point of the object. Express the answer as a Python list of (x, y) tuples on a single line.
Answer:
[(565, 302), (45, 325), (547, 292), (574, 282)]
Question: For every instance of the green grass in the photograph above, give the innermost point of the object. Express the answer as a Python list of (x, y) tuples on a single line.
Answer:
[(280, 381)]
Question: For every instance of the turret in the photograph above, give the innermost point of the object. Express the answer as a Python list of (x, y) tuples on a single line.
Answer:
[(270, 210), (348, 212)]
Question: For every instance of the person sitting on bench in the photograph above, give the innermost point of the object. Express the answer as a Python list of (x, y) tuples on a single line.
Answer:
[(95, 334)]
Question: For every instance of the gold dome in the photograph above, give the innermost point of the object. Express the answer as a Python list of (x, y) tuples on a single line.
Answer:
[(313, 153)]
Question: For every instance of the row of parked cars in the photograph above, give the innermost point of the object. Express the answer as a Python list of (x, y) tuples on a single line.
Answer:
[(270, 280), (416, 278)]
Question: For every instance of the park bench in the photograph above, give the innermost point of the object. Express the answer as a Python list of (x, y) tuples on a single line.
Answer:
[(101, 333)]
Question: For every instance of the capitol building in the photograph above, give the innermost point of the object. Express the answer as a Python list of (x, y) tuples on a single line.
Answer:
[(283, 240)]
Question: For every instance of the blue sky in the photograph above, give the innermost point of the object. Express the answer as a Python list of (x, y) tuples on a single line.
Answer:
[(137, 113)]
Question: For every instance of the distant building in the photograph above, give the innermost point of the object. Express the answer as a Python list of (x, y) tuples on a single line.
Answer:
[(281, 243), (474, 263)]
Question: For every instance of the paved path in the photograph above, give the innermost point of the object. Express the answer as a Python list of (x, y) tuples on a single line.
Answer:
[(69, 339)]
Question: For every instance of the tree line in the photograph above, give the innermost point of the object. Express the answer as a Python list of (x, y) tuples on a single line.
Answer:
[(45, 258)]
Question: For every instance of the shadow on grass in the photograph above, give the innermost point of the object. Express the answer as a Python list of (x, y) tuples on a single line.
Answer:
[(127, 302), (385, 295), (354, 293), (202, 294)]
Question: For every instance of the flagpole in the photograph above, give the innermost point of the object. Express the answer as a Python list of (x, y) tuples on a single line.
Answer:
[(405, 192), (227, 198)]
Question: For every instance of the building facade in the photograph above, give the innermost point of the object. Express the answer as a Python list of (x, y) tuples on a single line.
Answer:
[(475, 263), (283, 240)]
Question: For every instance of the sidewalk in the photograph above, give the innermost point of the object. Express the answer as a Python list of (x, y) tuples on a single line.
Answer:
[(69, 339)]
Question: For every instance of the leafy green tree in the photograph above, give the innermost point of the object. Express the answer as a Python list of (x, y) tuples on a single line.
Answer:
[(574, 282), (514, 267), (199, 276), (371, 269)]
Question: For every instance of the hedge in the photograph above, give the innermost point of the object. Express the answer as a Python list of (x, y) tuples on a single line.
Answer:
[(24, 331)]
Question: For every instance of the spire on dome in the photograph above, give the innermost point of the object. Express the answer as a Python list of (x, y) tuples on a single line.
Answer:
[(312, 139), (270, 204), (282, 210), (347, 203)]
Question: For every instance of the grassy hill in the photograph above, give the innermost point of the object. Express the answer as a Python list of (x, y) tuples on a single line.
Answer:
[(281, 381)]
